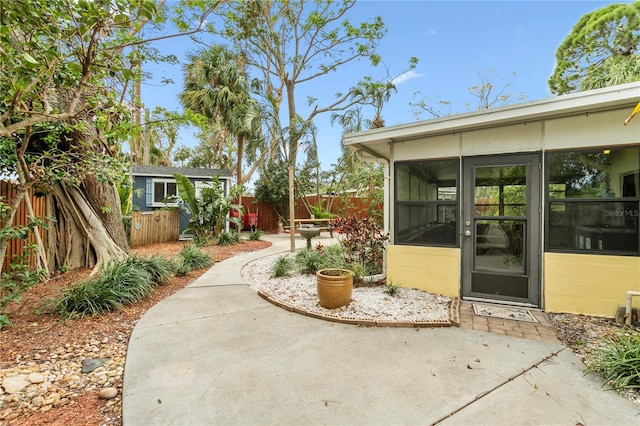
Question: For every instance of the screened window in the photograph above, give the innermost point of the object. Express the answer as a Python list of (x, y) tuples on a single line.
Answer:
[(593, 200), (426, 202)]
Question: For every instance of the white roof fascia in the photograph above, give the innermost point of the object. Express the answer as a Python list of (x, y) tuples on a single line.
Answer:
[(614, 97)]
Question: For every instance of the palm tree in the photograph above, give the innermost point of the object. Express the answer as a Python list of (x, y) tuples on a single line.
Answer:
[(216, 86)]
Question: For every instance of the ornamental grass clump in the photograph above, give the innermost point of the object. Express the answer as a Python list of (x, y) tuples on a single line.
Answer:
[(618, 361), (282, 267), (228, 238), (119, 283), (160, 268), (309, 261), (192, 257)]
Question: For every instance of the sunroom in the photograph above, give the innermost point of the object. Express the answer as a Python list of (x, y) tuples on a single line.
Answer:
[(536, 204)]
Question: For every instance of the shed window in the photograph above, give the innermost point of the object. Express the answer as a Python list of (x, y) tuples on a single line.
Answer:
[(426, 202), (163, 192), (593, 200)]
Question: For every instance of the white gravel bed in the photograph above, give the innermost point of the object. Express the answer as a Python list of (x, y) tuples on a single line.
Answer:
[(368, 302)]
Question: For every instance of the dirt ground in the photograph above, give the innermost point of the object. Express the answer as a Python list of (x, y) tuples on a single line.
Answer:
[(36, 332)]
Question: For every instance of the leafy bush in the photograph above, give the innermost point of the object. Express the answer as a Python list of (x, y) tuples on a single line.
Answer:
[(17, 280), (310, 261), (20, 276), (363, 242), (333, 256), (618, 361), (182, 269), (210, 209), (90, 297), (119, 283), (192, 257), (255, 235), (228, 238), (160, 269), (201, 240), (282, 267)]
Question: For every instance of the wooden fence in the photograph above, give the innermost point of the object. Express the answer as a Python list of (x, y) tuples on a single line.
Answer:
[(349, 206), (164, 226), (8, 193), (154, 227)]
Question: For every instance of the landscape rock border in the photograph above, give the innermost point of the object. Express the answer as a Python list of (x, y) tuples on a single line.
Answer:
[(334, 316)]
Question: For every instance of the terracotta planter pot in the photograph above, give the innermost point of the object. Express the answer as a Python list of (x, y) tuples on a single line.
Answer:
[(334, 287)]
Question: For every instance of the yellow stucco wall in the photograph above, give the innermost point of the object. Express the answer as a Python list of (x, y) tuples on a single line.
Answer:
[(433, 269), (589, 284)]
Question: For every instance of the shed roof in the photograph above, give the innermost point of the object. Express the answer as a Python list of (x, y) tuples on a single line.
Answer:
[(191, 172), (377, 142)]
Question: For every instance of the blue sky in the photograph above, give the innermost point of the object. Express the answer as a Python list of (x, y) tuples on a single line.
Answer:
[(453, 40)]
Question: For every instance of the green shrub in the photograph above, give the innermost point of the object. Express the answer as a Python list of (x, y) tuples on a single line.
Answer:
[(392, 288), (119, 283), (282, 267), (182, 269), (20, 276), (618, 361), (255, 235), (333, 256), (201, 240), (17, 280), (90, 297), (228, 238), (160, 268), (310, 261), (193, 257)]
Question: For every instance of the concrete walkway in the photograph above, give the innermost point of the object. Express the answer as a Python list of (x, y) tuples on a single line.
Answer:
[(217, 353)]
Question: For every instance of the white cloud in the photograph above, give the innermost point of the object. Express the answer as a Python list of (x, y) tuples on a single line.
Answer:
[(406, 76)]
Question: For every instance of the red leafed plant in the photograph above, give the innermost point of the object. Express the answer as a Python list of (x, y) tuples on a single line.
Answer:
[(363, 242)]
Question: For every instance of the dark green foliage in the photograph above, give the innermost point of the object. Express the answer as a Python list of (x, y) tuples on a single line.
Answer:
[(310, 261), (600, 51), (20, 276), (17, 280), (192, 257), (160, 268), (282, 267), (273, 187), (119, 283), (201, 240), (255, 235), (618, 361), (182, 269), (228, 238), (90, 297)]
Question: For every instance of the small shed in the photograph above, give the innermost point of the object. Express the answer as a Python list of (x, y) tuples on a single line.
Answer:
[(153, 184)]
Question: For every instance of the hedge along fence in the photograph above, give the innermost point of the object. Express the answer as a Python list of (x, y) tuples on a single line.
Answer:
[(8, 193), (341, 206), (154, 227)]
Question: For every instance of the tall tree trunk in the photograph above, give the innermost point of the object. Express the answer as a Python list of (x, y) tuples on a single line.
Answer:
[(87, 236)]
